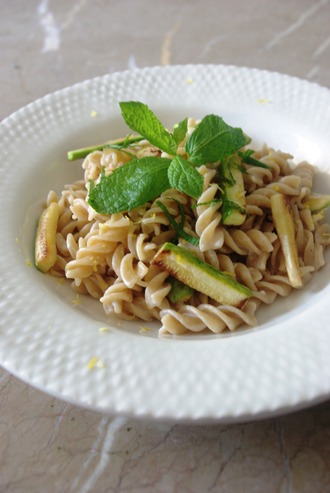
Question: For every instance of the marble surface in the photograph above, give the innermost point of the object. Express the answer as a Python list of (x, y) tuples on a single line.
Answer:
[(48, 445)]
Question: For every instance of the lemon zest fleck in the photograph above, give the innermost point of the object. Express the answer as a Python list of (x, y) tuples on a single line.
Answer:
[(93, 362), (76, 300), (144, 329), (263, 101), (104, 329)]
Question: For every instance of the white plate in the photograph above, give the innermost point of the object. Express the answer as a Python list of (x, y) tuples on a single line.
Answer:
[(47, 339)]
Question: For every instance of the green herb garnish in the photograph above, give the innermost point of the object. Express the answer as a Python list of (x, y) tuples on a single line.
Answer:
[(141, 180), (143, 121), (180, 131), (131, 185), (247, 158), (178, 227), (185, 178), (213, 140)]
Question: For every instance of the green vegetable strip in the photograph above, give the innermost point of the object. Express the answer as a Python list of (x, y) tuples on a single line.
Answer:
[(84, 151)]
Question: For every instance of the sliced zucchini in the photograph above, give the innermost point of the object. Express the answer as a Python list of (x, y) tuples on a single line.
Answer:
[(232, 185), (187, 268), (284, 226), (45, 241), (317, 203), (180, 292)]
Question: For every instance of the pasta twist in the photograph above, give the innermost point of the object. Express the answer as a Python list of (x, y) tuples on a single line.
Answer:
[(156, 288), (215, 318), (208, 226), (272, 286), (244, 243), (114, 298), (278, 166), (305, 172)]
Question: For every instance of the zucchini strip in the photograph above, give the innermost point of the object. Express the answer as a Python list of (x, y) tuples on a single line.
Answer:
[(194, 272), (284, 225), (45, 241)]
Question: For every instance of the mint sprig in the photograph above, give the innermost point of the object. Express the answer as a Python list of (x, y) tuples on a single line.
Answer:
[(142, 180)]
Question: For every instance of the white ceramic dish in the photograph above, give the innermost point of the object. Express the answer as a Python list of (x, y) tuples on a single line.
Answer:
[(48, 340)]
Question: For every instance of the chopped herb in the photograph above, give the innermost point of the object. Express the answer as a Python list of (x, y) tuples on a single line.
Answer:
[(177, 227), (247, 158), (208, 202)]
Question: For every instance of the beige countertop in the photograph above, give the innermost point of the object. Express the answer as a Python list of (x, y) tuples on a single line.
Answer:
[(48, 445)]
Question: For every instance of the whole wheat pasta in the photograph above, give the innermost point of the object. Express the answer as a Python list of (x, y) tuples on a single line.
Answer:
[(110, 256)]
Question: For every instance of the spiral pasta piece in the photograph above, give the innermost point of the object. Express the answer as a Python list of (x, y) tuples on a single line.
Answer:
[(205, 316), (272, 286), (115, 296), (156, 288), (305, 172), (253, 241), (208, 226)]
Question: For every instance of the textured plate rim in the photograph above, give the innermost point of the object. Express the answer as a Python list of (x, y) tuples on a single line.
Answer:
[(212, 412)]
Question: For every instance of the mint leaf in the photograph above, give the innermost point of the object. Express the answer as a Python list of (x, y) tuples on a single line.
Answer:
[(130, 186), (143, 121), (184, 177), (213, 140), (180, 131)]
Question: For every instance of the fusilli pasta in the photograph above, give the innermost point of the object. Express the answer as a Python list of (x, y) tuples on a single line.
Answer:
[(109, 257)]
